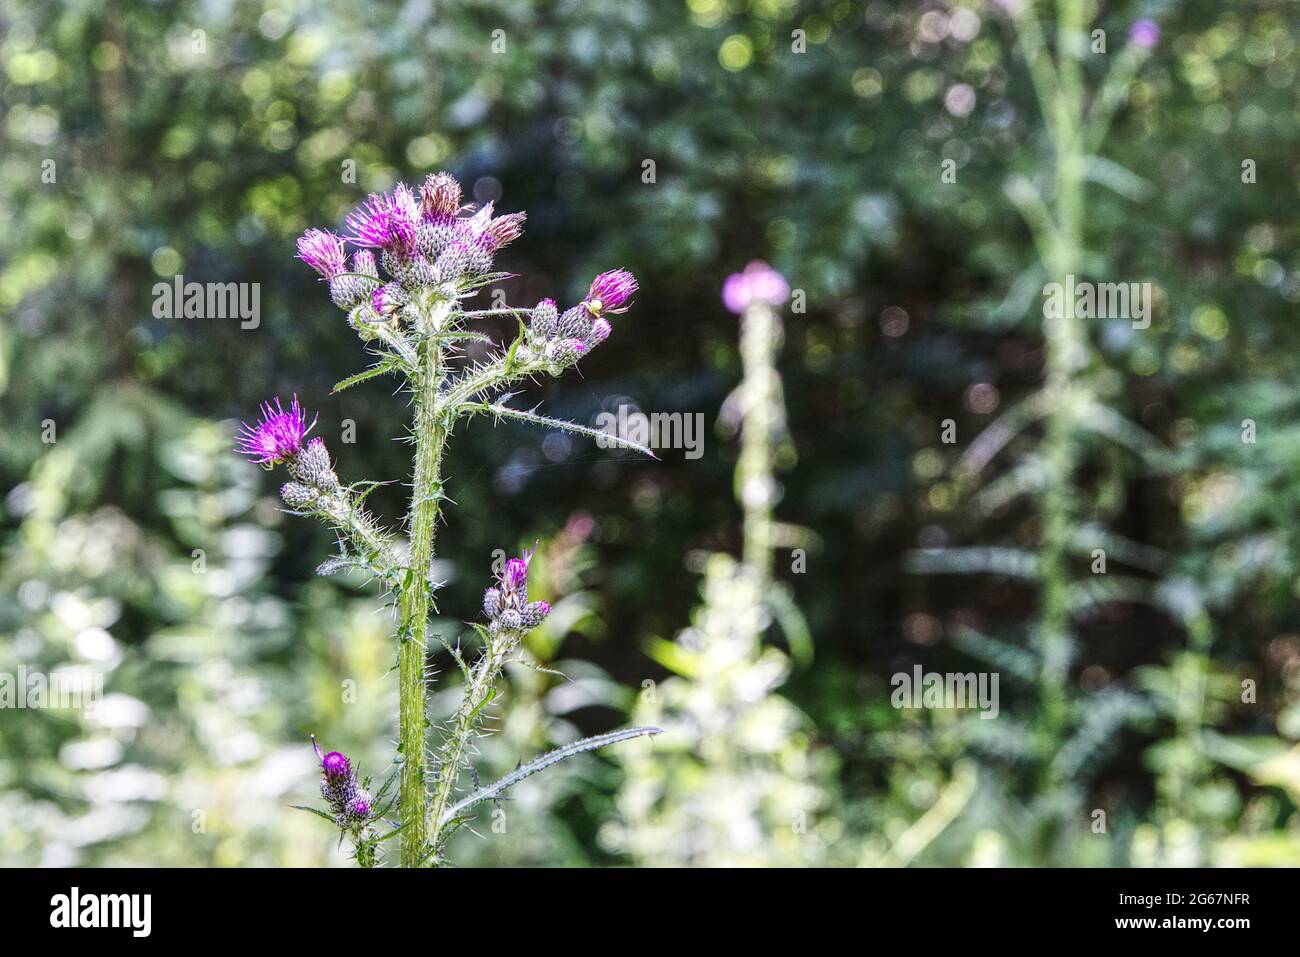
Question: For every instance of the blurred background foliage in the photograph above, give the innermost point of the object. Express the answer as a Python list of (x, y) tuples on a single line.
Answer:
[(141, 140)]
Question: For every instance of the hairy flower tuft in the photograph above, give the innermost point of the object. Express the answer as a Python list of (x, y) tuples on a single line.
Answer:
[(440, 197), (278, 436), (323, 251), (505, 229), (385, 222), (610, 292)]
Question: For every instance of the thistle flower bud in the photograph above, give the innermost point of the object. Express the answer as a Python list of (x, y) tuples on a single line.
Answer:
[(600, 330), (386, 300), (545, 319), (492, 603), (313, 467), (277, 437), (510, 620), (365, 321), (336, 766), (462, 259), (575, 323), (565, 352), (297, 495), (347, 292), (412, 270), (534, 614), (350, 804)]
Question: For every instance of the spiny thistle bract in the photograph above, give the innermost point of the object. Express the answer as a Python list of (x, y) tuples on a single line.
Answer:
[(435, 253)]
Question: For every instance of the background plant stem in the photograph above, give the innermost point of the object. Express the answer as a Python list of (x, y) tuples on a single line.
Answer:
[(760, 398)]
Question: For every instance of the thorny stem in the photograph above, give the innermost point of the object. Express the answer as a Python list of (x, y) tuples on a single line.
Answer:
[(367, 539), (461, 729), (430, 434)]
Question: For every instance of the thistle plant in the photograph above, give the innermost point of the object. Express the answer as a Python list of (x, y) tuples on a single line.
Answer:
[(735, 781), (1080, 427), (420, 254)]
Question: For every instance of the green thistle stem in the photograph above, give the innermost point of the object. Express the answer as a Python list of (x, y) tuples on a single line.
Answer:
[(477, 696), (430, 434)]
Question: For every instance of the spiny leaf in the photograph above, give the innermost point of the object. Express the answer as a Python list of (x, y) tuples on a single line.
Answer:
[(504, 411), (1014, 562), (371, 373), (312, 810), (541, 764)]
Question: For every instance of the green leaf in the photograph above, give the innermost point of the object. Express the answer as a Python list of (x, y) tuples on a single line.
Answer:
[(793, 624), (495, 789)]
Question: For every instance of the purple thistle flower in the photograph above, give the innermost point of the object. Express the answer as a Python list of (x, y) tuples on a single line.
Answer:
[(336, 765), (322, 251), (610, 292), (385, 222), (1144, 33), (277, 437), (359, 808)]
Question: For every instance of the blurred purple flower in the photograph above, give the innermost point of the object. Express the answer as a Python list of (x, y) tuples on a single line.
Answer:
[(758, 283), (1144, 33)]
